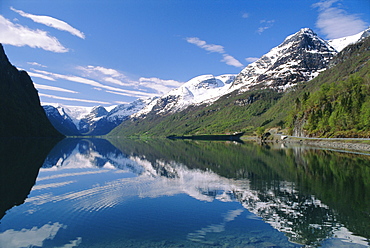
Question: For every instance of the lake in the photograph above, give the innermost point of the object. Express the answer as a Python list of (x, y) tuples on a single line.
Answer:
[(178, 193)]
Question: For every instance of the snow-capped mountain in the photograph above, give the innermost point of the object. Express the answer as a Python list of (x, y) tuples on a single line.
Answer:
[(299, 58), (60, 120), (340, 43), (201, 89), (71, 120)]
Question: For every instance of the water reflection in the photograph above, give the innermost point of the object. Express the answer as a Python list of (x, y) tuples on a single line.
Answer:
[(20, 161), (308, 194), (314, 197)]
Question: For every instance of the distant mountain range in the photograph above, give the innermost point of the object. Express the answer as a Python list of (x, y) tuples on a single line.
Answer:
[(299, 58), (77, 121)]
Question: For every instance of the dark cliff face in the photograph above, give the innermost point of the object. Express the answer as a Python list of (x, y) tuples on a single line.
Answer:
[(21, 114)]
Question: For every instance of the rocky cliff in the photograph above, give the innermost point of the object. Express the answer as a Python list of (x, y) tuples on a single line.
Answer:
[(21, 114)]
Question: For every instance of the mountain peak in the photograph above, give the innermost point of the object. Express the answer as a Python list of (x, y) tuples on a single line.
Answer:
[(300, 57)]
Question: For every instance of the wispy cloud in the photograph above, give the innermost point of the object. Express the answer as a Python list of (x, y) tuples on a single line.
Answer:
[(208, 47), (155, 85), (30, 237), (106, 74), (17, 35), (335, 22), (73, 79), (36, 64), (51, 22), (48, 87), (251, 59), (266, 24), (245, 15), (161, 86), (71, 99), (132, 93), (33, 74), (228, 59)]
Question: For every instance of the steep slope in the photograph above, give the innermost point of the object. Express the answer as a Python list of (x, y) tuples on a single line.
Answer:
[(87, 125), (21, 114), (63, 123), (340, 106), (299, 58)]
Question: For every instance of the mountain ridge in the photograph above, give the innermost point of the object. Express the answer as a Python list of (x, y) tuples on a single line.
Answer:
[(82, 121), (21, 114), (242, 110)]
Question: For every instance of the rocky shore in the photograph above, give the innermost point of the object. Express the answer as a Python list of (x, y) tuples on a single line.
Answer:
[(350, 145), (353, 145)]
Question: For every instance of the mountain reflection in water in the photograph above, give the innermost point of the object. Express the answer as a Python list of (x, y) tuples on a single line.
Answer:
[(313, 197)]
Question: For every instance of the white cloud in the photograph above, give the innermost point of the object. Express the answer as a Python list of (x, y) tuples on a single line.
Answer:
[(32, 74), (267, 24), (228, 59), (36, 64), (208, 47), (106, 74), (144, 87), (335, 22), (245, 15), (161, 86), (120, 102), (99, 69), (17, 35), (51, 22), (106, 71), (47, 87), (78, 80), (251, 59), (131, 93), (71, 99)]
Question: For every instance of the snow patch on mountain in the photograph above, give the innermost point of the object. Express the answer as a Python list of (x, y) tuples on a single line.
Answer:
[(199, 90), (75, 113), (96, 120), (299, 58), (124, 110), (340, 43)]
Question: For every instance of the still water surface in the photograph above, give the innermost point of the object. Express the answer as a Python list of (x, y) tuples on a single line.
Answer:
[(164, 193)]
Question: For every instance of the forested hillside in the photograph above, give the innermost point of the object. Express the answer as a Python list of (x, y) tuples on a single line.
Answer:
[(337, 104)]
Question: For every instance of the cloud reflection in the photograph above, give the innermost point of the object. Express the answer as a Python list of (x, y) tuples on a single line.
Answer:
[(29, 237), (199, 235)]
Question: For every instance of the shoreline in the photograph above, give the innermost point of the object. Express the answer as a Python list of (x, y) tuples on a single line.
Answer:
[(352, 145)]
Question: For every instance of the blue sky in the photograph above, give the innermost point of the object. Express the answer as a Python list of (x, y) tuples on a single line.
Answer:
[(90, 52)]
